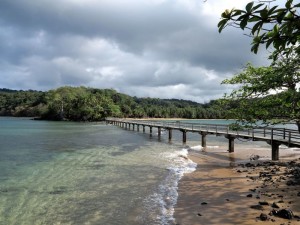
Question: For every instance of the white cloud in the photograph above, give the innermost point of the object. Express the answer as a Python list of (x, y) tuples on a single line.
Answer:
[(156, 48)]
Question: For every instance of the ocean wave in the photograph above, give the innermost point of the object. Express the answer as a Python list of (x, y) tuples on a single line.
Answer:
[(199, 147), (160, 205)]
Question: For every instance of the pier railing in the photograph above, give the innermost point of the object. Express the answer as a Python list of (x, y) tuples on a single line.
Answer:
[(273, 136)]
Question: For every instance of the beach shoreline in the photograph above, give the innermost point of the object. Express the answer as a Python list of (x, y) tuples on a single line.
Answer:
[(225, 189)]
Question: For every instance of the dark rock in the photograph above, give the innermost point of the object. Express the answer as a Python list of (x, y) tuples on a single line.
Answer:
[(290, 183), (203, 203), (250, 195), (254, 157), (264, 203), (275, 205), (263, 217), (199, 214), (264, 174), (249, 165), (257, 207), (283, 213), (298, 194), (253, 190)]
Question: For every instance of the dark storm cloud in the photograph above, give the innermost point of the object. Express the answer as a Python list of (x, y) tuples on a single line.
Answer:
[(158, 48)]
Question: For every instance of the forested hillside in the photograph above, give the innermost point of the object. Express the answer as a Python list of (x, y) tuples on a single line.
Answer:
[(90, 104)]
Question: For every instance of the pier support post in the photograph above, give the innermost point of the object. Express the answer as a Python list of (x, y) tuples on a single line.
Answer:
[(133, 126), (159, 131), (275, 150), (144, 128), (170, 134), (183, 136), (203, 139), (126, 126), (138, 127), (150, 130), (230, 143)]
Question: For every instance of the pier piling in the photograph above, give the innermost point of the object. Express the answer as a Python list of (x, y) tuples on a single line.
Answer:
[(273, 136)]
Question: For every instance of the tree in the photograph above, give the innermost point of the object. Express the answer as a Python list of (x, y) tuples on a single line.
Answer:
[(269, 93), (268, 24)]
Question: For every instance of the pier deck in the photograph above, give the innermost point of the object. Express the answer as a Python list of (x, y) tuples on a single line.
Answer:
[(273, 136)]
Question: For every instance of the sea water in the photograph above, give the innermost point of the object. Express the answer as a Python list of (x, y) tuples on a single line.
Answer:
[(86, 173), (93, 173)]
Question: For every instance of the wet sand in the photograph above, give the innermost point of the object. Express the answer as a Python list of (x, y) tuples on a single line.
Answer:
[(224, 191)]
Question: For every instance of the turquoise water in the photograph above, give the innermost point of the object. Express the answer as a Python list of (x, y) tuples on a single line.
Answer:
[(86, 173)]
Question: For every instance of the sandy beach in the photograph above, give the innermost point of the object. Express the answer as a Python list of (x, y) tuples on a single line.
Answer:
[(229, 188)]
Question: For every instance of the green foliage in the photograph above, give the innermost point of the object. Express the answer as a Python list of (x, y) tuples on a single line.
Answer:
[(90, 104), (79, 104), (21, 103), (268, 94), (236, 127), (268, 24)]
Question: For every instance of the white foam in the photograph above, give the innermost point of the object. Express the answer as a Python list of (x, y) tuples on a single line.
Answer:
[(166, 196), (197, 147), (213, 146)]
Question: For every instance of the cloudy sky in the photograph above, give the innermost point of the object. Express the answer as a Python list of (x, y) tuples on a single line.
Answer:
[(144, 48)]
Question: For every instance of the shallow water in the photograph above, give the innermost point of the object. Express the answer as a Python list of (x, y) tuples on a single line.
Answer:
[(86, 173), (92, 173)]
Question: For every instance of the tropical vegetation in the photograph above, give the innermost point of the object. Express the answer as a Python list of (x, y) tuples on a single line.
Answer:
[(268, 93), (91, 104)]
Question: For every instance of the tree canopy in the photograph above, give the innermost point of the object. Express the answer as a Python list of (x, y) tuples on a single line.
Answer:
[(269, 93), (91, 104), (268, 24)]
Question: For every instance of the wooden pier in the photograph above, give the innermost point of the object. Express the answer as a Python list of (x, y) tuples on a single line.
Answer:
[(273, 136)]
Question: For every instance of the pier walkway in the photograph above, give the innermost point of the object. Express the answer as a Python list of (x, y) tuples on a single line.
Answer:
[(273, 136)]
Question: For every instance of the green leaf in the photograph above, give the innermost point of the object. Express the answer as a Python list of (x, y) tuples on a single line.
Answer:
[(249, 6), (244, 22), (222, 24), (276, 29), (272, 10), (264, 14), (269, 42), (255, 48), (270, 34), (288, 4), (256, 27), (278, 43), (257, 6), (289, 16), (257, 39), (280, 16), (237, 12), (254, 19)]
